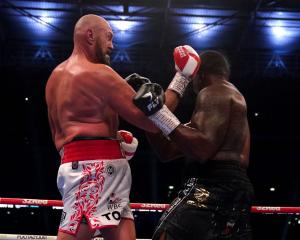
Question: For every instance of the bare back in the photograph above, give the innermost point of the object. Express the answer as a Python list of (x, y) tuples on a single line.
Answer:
[(85, 99), (218, 129), (73, 107), (221, 114)]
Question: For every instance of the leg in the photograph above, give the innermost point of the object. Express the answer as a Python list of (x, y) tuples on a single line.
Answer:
[(167, 236), (162, 236), (65, 236), (84, 233), (124, 231)]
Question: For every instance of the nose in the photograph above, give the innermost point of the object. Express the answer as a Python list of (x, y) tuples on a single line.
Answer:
[(111, 46)]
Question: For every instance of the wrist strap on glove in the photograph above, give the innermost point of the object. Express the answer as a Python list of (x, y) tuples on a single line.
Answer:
[(165, 120), (179, 83)]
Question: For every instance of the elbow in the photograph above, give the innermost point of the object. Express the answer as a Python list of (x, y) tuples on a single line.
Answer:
[(165, 159), (199, 156), (140, 120), (153, 129), (202, 154), (171, 157), (165, 155)]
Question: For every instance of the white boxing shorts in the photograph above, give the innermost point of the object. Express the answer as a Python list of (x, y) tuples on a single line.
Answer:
[(94, 180)]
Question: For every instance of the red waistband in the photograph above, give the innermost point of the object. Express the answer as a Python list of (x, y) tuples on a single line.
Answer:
[(83, 150)]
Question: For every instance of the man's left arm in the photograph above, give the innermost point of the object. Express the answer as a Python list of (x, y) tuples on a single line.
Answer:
[(187, 63)]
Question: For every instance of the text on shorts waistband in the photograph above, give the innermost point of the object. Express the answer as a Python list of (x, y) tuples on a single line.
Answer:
[(83, 150)]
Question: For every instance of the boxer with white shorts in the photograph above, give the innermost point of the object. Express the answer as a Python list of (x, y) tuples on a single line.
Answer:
[(85, 98)]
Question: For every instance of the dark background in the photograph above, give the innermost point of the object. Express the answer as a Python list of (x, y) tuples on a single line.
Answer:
[(262, 41)]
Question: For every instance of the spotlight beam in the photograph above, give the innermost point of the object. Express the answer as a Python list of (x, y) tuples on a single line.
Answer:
[(34, 18)]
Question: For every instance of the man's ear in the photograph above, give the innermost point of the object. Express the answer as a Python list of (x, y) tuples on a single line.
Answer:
[(90, 36)]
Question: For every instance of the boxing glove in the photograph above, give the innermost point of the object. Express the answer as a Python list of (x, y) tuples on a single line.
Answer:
[(150, 99), (136, 81), (128, 143), (187, 63)]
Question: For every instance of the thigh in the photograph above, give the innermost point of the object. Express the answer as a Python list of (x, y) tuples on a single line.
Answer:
[(124, 231), (185, 222), (84, 233), (231, 224), (65, 236), (244, 229)]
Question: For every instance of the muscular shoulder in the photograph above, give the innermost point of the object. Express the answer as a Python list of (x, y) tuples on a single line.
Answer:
[(103, 74), (57, 73), (213, 95), (220, 101), (105, 82), (219, 93), (54, 77), (100, 70)]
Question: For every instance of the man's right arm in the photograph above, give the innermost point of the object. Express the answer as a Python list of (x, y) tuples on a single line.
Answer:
[(202, 139)]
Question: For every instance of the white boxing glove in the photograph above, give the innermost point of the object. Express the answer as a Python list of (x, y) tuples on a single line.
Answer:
[(187, 62), (128, 143)]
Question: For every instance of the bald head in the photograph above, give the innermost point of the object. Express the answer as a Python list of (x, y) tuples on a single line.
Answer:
[(90, 21), (93, 36)]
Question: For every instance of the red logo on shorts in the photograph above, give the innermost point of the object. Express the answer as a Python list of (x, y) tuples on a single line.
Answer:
[(88, 194)]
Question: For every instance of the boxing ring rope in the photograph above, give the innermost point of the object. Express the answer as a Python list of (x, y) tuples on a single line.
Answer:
[(144, 206), (136, 206), (38, 237), (59, 203)]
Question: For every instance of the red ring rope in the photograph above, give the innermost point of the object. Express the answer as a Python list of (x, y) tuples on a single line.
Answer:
[(146, 206)]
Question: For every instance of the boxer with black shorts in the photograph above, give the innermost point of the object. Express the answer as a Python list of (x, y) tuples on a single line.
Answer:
[(216, 198), (84, 98)]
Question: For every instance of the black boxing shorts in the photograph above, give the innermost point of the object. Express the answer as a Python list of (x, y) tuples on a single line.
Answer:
[(215, 205)]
